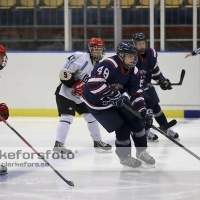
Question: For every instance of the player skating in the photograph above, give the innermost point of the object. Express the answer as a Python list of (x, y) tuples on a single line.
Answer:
[(74, 73), (148, 67), (103, 96)]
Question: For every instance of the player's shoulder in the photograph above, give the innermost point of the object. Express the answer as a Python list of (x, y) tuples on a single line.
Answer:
[(152, 52), (79, 56), (76, 60), (111, 62)]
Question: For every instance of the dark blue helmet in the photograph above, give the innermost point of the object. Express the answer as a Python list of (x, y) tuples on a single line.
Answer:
[(137, 37), (125, 48)]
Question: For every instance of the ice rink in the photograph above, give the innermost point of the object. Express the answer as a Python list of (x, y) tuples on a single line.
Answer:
[(96, 176)]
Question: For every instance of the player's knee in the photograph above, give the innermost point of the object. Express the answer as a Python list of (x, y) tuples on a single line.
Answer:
[(124, 143), (66, 118), (139, 134), (89, 118)]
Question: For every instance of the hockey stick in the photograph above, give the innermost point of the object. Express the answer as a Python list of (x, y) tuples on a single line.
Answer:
[(168, 125), (179, 83), (70, 183), (162, 132)]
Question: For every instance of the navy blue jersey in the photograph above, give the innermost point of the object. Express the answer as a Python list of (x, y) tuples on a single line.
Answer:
[(195, 52), (148, 67), (108, 76)]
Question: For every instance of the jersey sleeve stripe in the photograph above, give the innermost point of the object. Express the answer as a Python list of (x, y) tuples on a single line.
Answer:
[(156, 74), (94, 106), (153, 52), (197, 51), (138, 100), (96, 80), (102, 88), (112, 62), (156, 65)]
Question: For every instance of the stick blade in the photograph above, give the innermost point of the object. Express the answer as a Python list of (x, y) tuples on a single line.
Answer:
[(168, 125), (70, 183)]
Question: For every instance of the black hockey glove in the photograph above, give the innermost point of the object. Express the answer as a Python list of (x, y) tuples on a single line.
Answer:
[(147, 118), (165, 84), (117, 99)]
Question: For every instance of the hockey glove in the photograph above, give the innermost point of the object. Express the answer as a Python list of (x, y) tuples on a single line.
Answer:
[(165, 84), (78, 88), (4, 112), (117, 99), (147, 118)]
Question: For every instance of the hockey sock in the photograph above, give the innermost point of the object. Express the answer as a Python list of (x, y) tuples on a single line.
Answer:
[(63, 128), (161, 120), (140, 140), (123, 148), (159, 115), (94, 130), (93, 127)]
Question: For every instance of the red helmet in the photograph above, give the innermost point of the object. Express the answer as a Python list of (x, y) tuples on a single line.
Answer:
[(2, 50), (4, 56), (96, 43)]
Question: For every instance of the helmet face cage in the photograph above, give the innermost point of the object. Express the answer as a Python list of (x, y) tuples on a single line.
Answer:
[(3, 56), (125, 48), (137, 37), (97, 44)]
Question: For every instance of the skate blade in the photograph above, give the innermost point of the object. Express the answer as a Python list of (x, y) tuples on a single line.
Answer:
[(61, 155), (147, 166), (103, 151), (126, 166)]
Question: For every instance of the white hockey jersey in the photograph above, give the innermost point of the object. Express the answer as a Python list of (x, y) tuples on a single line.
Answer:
[(80, 64)]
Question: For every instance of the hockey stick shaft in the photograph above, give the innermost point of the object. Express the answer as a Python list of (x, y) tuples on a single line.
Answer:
[(168, 125), (42, 157), (180, 82), (162, 132)]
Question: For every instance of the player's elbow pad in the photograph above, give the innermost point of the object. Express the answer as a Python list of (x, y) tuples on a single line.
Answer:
[(67, 78)]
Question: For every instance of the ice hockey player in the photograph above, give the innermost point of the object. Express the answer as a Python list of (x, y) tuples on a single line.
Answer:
[(149, 69), (73, 75), (102, 95), (4, 112)]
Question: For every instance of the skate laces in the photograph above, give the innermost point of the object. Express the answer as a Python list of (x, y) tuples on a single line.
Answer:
[(129, 160), (145, 155), (61, 145), (101, 144), (151, 135), (170, 132)]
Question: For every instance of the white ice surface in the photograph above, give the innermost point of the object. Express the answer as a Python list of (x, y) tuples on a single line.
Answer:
[(98, 176)]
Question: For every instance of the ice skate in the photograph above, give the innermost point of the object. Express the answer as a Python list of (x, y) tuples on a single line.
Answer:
[(145, 158), (172, 134), (130, 162), (3, 169), (151, 136), (60, 148), (102, 147)]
